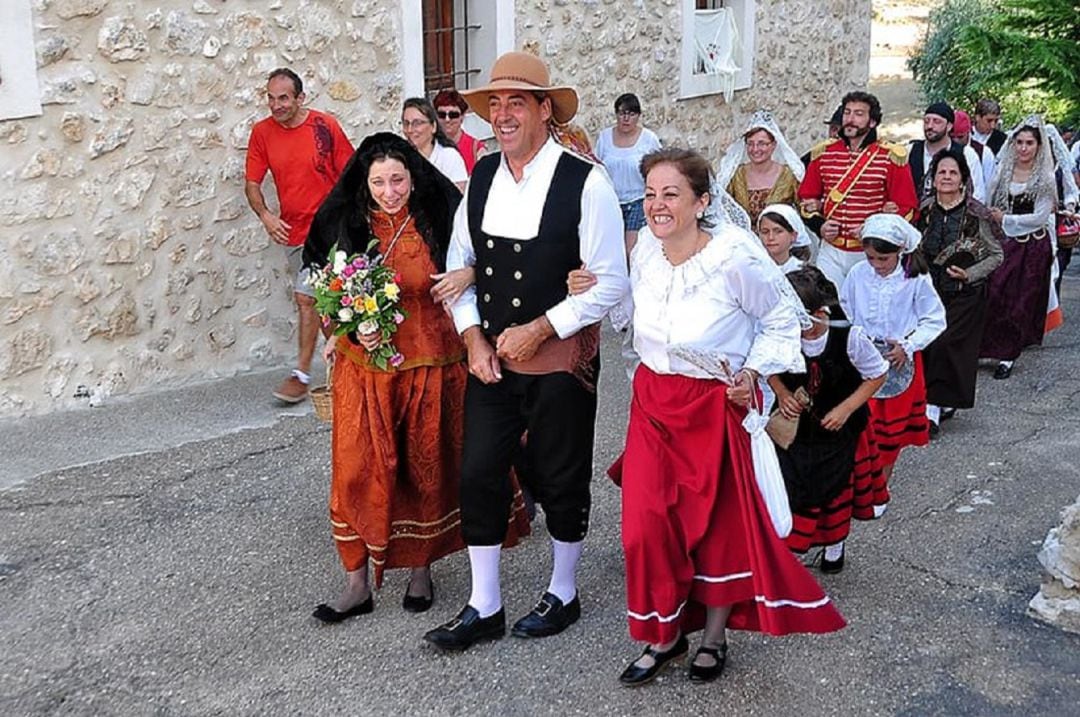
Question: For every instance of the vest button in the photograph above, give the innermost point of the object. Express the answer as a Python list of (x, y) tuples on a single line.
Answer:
[(488, 270), (516, 302), (485, 324), (517, 248), (490, 243), (517, 275), (487, 298)]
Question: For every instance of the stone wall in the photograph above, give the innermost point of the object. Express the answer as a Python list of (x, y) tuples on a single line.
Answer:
[(808, 54), (128, 257)]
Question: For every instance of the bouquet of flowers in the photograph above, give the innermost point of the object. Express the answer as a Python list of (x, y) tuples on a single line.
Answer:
[(360, 294)]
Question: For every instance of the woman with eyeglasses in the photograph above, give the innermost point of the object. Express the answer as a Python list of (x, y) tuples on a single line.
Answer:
[(621, 148), (760, 168), (418, 122), (450, 108)]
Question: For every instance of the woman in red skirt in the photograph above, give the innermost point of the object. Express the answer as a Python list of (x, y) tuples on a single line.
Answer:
[(892, 297), (701, 551)]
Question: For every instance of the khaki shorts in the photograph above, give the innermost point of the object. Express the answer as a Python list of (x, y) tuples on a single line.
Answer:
[(297, 270)]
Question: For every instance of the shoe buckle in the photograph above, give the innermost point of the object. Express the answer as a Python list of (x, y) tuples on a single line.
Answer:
[(452, 625), (543, 607)]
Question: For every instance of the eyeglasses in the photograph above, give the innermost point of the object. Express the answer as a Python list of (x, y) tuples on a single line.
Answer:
[(406, 124), (627, 113), (759, 145), (448, 114)]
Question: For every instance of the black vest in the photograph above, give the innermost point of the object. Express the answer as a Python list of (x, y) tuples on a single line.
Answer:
[(519, 280), (829, 379), (923, 184)]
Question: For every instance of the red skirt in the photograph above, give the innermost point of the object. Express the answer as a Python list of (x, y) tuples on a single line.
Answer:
[(901, 421), (831, 524), (695, 529)]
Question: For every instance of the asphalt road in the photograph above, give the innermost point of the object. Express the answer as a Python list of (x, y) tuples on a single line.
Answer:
[(179, 577)]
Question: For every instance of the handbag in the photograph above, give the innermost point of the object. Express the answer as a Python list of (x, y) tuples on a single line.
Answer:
[(782, 429), (1068, 230), (770, 481)]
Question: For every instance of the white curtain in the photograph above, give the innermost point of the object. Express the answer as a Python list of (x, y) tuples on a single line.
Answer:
[(716, 38)]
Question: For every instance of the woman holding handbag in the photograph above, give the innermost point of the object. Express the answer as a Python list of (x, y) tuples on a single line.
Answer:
[(701, 551)]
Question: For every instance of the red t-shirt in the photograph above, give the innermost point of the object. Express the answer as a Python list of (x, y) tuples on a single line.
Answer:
[(306, 162)]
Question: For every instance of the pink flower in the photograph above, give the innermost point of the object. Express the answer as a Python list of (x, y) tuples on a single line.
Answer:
[(398, 317), (348, 271), (326, 321), (359, 262), (396, 360), (346, 300)]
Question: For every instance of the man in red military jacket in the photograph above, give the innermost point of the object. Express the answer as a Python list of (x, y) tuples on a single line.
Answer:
[(850, 178)]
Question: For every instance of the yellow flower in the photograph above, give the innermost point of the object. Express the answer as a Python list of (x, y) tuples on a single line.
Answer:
[(391, 290), (370, 305)]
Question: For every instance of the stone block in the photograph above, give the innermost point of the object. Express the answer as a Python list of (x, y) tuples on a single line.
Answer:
[(132, 187), (123, 249), (343, 91), (1058, 599), (57, 375), (113, 134), (68, 9), (85, 286), (55, 253), (231, 208), (52, 49), (120, 40), (44, 162), (183, 34), (245, 241), (141, 90), (27, 350), (257, 320), (192, 187), (248, 30), (73, 127), (222, 336), (158, 231)]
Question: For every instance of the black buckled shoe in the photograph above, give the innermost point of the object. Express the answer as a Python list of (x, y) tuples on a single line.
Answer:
[(466, 629), (1003, 371), (947, 413), (419, 603), (549, 617), (634, 676), (701, 673), (832, 566), (329, 615)]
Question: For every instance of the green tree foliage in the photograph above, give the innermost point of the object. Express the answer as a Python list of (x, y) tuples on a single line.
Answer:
[(1024, 53), (1034, 47)]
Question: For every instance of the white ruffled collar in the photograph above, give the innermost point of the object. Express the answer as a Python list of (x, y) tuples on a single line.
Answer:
[(653, 270)]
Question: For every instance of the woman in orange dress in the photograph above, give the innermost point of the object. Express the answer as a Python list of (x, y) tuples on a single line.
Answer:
[(397, 434)]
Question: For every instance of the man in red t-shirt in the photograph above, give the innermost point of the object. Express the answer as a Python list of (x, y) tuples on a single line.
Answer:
[(306, 152)]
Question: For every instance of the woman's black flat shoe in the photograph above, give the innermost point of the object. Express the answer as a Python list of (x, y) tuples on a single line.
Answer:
[(633, 675), (699, 673), (419, 603), (329, 615), (1003, 371)]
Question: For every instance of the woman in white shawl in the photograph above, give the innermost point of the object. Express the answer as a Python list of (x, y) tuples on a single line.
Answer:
[(784, 236), (761, 168), (1022, 199)]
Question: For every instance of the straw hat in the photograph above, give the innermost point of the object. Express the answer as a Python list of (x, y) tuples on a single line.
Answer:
[(522, 71)]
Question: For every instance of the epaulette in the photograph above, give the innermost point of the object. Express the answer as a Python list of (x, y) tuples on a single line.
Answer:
[(898, 153), (819, 149)]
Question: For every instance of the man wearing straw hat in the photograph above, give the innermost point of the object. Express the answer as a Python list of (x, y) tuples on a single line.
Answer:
[(532, 213)]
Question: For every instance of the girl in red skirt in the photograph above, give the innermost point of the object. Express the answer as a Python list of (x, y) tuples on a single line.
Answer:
[(891, 296), (701, 550), (843, 370)]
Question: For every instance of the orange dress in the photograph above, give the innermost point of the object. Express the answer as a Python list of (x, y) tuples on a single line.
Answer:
[(397, 434)]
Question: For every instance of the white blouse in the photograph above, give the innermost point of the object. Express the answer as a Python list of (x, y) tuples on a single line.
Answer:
[(793, 263), (728, 300), (624, 163), (894, 307), (864, 356), (1016, 225), (449, 161)]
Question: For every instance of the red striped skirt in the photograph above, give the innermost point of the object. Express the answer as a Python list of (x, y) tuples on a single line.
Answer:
[(831, 524), (695, 529), (901, 421)]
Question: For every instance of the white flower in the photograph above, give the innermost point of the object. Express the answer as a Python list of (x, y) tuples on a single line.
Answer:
[(345, 314), (367, 327), (339, 262)]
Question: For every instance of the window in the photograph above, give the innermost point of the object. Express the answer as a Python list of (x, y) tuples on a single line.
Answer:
[(452, 43), (19, 92), (446, 45), (717, 47)]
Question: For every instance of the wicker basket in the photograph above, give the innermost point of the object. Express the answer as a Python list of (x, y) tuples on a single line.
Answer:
[(322, 397)]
